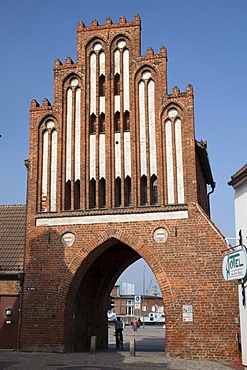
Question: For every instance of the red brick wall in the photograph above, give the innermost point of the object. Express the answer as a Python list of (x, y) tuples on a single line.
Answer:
[(67, 289), (9, 287), (187, 268)]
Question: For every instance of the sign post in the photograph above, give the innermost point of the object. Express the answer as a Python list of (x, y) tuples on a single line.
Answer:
[(234, 265), (137, 302)]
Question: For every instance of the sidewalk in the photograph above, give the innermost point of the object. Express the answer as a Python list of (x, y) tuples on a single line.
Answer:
[(150, 355), (103, 361)]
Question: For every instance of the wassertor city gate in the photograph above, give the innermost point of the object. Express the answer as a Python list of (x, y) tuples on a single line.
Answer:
[(115, 174)]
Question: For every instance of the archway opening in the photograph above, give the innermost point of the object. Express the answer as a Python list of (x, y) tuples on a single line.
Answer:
[(88, 300)]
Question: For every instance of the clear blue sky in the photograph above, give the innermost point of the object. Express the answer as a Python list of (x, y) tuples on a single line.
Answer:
[(206, 45)]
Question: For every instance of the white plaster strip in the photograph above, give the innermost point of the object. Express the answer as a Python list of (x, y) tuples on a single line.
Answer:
[(102, 156), (92, 157), (117, 62), (93, 83), (126, 80), (68, 135), (151, 126), (53, 171), (101, 104), (102, 63), (45, 164), (77, 133), (117, 154), (127, 155), (142, 129), (179, 160), (85, 220), (169, 162), (116, 103)]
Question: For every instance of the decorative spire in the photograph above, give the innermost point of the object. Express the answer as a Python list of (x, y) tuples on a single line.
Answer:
[(95, 23), (108, 21), (80, 26)]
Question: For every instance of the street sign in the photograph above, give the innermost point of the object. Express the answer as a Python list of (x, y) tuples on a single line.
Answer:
[(234, 265), (137, 299), (187, 313)]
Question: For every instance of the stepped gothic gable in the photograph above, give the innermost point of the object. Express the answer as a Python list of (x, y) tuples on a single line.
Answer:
[(116, 174)]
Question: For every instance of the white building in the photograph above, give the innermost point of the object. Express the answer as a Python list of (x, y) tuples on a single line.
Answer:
[(239, 183)]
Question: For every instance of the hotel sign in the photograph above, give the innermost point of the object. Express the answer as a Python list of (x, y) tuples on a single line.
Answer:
[(234, 265)]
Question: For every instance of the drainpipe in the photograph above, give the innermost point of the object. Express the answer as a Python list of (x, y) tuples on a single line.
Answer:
[(213, 185)]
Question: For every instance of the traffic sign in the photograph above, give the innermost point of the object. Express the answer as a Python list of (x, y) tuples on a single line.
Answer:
[(137, 299)]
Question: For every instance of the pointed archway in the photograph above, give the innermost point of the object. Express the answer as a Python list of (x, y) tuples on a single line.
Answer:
[(95, 274)]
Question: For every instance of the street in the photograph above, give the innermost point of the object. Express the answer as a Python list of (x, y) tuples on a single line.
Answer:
[(150, 354), (148, 338)]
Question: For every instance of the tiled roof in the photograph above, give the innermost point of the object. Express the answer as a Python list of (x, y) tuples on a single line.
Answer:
[(239, 176), (12, 238)]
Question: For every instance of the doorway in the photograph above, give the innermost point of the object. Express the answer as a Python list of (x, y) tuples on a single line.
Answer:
[(9, 319)]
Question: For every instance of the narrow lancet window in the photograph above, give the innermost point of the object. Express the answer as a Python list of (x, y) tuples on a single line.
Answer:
[(67, 202), (77, 195), (126, 121), (143, 190), (117, 122), (102, 85), (102, 123), (92, 193), (117, 192), (127, 191), (92, 124), (154, 190), (117, 84), (102, 201)]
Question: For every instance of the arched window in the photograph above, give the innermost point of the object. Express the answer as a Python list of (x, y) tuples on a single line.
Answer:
[(154, 190), (77, 195), (67, 203), (92, 123), (102, 85), (92, 193), (127, 191), (102, 201), (117, 84), (102, 123), (117, 192), (143, 190), (117, 122), (126, 121)]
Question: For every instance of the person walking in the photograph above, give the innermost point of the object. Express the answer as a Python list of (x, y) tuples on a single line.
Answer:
[(135, 326), (119, 333)]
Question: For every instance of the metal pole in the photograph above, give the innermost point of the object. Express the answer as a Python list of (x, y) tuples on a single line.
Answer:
[(143, 296)]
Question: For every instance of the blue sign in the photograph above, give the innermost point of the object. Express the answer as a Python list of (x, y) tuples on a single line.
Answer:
[(234, 265), (137, 298)]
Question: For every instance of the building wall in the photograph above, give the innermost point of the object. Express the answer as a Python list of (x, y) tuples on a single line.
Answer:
[(107, 149), (123, 303), (240, 202), (111, 168), (10, 287)]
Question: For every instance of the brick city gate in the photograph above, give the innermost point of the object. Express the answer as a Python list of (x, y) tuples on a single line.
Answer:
[(115, 174)]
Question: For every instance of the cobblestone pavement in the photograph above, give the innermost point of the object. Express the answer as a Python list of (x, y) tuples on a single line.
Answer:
[(150, 357)]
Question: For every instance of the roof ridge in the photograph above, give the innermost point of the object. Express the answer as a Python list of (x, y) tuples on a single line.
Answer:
[(12, 205)]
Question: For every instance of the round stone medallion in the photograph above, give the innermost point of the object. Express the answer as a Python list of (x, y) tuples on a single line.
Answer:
[(68, 239), (160, 235)]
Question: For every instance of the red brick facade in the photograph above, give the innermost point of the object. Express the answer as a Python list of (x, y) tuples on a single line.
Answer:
[(112, 161)]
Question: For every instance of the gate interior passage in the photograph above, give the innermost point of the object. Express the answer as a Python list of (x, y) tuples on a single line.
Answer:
[(9, 318)]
